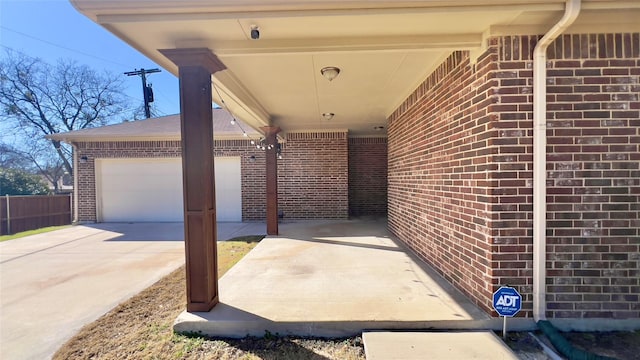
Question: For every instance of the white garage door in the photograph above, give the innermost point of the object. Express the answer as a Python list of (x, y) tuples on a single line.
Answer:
[(148, 190), (228, 189)]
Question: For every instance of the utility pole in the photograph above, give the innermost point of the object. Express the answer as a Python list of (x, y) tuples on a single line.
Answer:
[(147, 91)]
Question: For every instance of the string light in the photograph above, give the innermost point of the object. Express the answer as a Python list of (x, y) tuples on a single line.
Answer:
[(260, 144)]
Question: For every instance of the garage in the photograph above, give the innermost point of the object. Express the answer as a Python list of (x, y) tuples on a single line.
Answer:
[(150, 189)]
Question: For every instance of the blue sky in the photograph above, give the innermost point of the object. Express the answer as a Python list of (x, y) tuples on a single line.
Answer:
[(53, 30)]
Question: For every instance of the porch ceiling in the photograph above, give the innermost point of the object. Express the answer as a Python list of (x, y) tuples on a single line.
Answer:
[(383, 48)]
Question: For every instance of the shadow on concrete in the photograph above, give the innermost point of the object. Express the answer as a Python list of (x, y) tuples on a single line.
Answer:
[(308, 229), (352, 243), (169, 231), (173, 231), (332, 279)]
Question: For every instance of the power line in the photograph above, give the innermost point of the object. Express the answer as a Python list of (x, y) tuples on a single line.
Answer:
[(33, 57), (61, 46), (165, 97), (168, 99)]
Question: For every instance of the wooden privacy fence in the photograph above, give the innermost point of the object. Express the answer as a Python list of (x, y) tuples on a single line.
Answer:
[(22, 213)]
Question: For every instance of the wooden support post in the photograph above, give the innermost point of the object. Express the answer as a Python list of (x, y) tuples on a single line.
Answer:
[(195, 69), (270, 133)]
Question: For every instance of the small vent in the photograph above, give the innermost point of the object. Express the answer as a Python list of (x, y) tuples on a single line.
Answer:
[(317, 135), (231, 143), (367, 140)]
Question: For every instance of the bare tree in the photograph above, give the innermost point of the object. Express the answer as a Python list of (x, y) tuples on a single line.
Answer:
[(39, 99), (36, 158), (138, 112), (10, 158)]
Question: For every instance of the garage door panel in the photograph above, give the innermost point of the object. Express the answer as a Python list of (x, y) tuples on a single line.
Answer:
[(140, 190), (228, 189), (150, 190)]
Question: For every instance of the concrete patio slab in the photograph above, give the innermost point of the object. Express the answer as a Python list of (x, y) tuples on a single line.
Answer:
[(435, 345), (331, 279)]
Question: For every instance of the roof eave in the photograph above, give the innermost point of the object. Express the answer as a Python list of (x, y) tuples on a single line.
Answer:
[(95, 139)]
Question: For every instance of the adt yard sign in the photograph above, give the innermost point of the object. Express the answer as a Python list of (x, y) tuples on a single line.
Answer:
[(507, 301)]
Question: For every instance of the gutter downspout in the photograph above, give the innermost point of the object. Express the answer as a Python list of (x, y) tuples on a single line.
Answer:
[(572, 10), (75, 183)]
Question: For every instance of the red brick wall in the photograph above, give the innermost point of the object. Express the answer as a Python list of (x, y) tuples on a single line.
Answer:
[(593, 182), (367, 176), (460, 170), (316, 162), (439, 173), (313, 176)]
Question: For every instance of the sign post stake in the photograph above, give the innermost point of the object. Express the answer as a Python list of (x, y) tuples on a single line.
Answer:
[(507, 301), (504, 328)]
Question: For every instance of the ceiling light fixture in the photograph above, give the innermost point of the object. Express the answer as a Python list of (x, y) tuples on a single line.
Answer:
[(328, 115), (330, 72)]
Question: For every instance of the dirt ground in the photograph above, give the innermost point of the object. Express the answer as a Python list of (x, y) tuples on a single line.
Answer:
[(622, 345), (141, 328)]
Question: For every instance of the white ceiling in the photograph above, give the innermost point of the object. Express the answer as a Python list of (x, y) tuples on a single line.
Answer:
[(384, 49)]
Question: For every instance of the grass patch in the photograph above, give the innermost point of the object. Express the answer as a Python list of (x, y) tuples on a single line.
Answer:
[(230, 252), (32, 232)]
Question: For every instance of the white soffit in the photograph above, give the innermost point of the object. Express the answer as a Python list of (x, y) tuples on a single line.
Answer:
[(384, 49)]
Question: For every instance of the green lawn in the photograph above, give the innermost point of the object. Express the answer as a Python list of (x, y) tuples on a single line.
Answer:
[(31, 232)]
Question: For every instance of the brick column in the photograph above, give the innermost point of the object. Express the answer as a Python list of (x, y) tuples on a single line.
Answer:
[(195, 69), (270, 133)]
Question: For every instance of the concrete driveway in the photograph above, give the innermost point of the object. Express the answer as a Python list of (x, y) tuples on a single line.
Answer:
[(52, 284)]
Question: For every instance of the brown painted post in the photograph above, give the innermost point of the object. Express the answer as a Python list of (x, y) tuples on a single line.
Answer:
[(270, 133), (195, 69)]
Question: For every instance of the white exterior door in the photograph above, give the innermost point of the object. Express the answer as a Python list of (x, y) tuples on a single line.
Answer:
[(150, 190)]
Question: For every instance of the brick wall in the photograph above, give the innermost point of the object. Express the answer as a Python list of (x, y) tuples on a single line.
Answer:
[(313, 176), (593, 181), (460, 170), (461, 201), (439, 181), (313, 163), (368, 176)]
